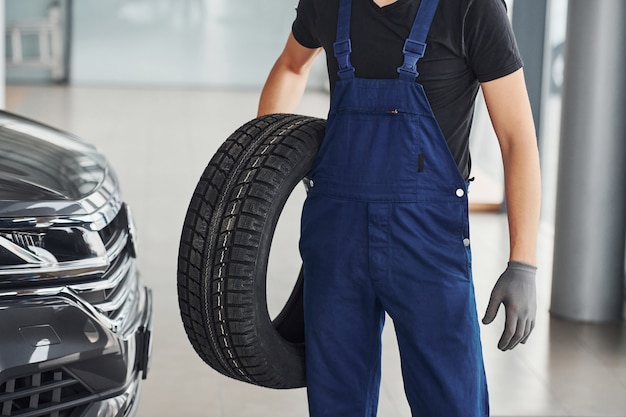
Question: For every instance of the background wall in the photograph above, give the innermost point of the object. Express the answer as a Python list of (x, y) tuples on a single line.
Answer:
[(178, 42), (2, 70)]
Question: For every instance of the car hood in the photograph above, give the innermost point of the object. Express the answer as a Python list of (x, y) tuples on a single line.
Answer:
[(39, 163)]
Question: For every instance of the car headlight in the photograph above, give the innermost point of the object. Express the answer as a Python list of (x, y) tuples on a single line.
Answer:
[(34, 256)]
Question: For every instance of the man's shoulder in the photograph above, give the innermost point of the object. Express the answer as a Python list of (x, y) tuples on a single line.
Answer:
[(320, 5), (463, 7)]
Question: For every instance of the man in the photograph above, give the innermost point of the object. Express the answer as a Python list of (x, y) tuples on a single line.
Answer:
[(384, 226)]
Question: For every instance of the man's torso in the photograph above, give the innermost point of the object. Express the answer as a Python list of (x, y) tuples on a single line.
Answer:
[(470, 41)]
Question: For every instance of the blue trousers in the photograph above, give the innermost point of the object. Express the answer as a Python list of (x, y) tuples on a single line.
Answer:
[(363, 259)]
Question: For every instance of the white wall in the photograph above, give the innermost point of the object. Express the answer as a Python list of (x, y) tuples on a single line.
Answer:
[(178, 42), (2, 66)]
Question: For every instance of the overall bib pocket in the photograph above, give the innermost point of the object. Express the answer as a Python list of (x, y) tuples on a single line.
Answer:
[(369, 147)]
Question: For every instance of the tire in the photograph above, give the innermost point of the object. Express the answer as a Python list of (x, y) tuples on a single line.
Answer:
[(224, 251)]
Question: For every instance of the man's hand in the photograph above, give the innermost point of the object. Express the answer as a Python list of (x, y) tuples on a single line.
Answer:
[(516, 290)]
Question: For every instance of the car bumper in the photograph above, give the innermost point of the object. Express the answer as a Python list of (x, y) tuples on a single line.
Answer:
[(60, 354)]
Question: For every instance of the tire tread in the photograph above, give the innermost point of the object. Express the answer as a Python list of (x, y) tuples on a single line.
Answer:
[(220, 246)]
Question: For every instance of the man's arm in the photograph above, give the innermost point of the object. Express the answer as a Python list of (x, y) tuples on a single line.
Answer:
[(287, 79), (511, 116)]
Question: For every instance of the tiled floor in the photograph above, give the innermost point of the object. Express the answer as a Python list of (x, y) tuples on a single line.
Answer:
[(159, 141)]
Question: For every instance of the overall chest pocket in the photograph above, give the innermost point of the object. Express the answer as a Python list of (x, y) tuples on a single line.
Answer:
[(373, 147)]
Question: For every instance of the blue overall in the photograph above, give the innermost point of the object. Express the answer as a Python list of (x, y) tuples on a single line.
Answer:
[(385, 229)]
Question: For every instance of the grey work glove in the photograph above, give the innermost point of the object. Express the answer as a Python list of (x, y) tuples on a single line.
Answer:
[(516, 290)]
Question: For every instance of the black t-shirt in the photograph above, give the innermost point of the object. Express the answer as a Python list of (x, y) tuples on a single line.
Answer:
[(470, 41)]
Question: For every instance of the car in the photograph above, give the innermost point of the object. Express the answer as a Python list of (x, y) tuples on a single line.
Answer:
[(75, 317)]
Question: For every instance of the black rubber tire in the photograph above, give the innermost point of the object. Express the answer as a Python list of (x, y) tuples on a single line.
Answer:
[(224, 251)]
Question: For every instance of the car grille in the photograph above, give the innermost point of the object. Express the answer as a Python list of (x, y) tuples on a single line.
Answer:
[(118, 285), (114, 291), (48, 394)]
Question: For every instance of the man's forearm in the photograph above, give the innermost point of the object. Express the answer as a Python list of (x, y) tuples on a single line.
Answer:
[(282, 91), (523, 198)]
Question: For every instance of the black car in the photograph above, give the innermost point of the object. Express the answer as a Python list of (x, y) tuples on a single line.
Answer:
[(75, 319)]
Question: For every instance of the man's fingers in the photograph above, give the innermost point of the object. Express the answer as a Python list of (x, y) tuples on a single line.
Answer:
[(522, 331), (510, 332), (492, 310), (530, 330)]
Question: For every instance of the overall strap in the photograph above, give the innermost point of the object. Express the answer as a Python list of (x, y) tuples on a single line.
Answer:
[(343, 47), (415, 45)]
